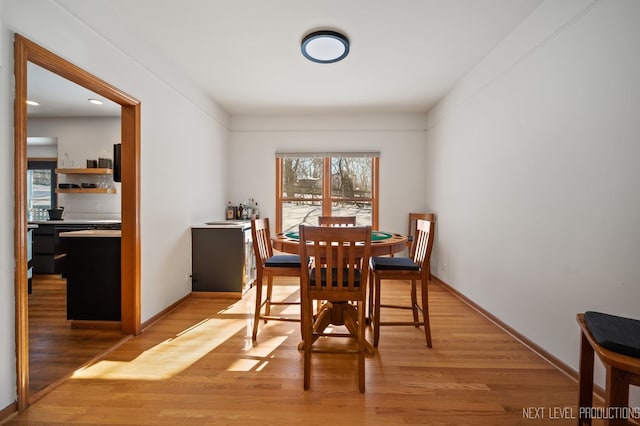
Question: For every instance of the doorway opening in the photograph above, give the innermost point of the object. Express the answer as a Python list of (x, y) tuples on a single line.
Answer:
[(26, 51)]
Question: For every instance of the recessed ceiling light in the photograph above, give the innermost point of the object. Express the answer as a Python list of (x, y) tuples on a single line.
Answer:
[(34, 103), (95, 101), (325, 47)]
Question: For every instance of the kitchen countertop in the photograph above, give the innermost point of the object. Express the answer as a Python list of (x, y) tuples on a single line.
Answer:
[(74, 221), (242, 224), (93, 233)]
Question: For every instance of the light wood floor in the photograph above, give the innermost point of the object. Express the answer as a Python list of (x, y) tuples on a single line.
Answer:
[(55, 350), (198, 366)]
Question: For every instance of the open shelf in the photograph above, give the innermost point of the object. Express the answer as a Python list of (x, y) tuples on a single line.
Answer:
[(85, 190), (79, 171)]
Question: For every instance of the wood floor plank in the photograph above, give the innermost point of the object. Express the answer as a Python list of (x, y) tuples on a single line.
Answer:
[(198, 365)]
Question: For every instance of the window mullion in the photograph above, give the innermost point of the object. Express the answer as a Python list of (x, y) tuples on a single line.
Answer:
[(375, 188), (326, 186), (279, 194)]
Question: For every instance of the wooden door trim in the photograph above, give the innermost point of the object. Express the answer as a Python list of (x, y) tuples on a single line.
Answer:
[(28, 51)]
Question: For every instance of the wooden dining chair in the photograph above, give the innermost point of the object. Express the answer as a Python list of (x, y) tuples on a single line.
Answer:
[(336, 220), (413, 268), (341, 282), (269, 266)]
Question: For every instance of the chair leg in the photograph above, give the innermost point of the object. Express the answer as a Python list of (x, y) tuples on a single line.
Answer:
[(267, 308), (425, 312), (256, 315), (307, 336), (361, 346), (585, 379), (414, 303), (368, 298), (616, 393), (375, 318)]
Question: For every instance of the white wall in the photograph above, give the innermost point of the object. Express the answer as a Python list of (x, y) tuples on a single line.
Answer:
[(43, 148), (83, 138), (399, 138), (183, 172), (7, 296), (533, 171)]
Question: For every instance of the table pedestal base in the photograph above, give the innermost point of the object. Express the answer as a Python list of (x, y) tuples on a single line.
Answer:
[(338, 313)]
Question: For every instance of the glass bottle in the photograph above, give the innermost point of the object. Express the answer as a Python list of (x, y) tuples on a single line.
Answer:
[(231, 214), (66, 161)]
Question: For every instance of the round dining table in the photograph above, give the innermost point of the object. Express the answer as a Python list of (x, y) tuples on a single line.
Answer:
[(382, 243)]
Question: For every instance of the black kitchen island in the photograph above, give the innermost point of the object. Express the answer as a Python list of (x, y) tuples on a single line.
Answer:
[(49, 254), (93, 274)]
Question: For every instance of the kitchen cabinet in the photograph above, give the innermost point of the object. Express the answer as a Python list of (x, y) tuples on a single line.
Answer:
[(48, 250), (222, 258), (93, 274), (86, 172), (30, 229)]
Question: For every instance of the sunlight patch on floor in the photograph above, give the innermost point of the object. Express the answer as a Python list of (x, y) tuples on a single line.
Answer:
[(246, 364), (169, 357), (179, 352), (257, 357)]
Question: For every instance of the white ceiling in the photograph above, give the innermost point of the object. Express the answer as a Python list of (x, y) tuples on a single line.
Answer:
[(405, 54), (62, 98)]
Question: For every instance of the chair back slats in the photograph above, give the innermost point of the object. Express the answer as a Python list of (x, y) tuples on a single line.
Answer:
[(261, 235), (421, 246), (344, 254), (411, 232), (336, 220)]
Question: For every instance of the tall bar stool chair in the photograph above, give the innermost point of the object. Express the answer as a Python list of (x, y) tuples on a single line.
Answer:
[(616, 341), (269, 266), (336, 220), (413, 268), (339, 281)]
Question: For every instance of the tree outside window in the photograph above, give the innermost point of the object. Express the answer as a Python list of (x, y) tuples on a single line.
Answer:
[(330, 184)]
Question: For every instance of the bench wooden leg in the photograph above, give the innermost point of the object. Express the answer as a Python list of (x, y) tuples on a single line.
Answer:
[(585, 379), (616, 394)]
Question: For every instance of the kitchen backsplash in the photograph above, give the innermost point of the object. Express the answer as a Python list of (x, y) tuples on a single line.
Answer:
[(82, 139)]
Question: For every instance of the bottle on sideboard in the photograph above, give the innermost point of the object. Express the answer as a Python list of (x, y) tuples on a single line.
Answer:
[(231, 213)]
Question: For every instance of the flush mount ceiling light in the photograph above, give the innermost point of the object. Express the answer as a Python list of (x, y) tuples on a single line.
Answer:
[(34, 103), (95, 101), (325, 47)]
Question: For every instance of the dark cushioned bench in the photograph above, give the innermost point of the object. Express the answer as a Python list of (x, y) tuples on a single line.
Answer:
[(616, 341), (615, 333)]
